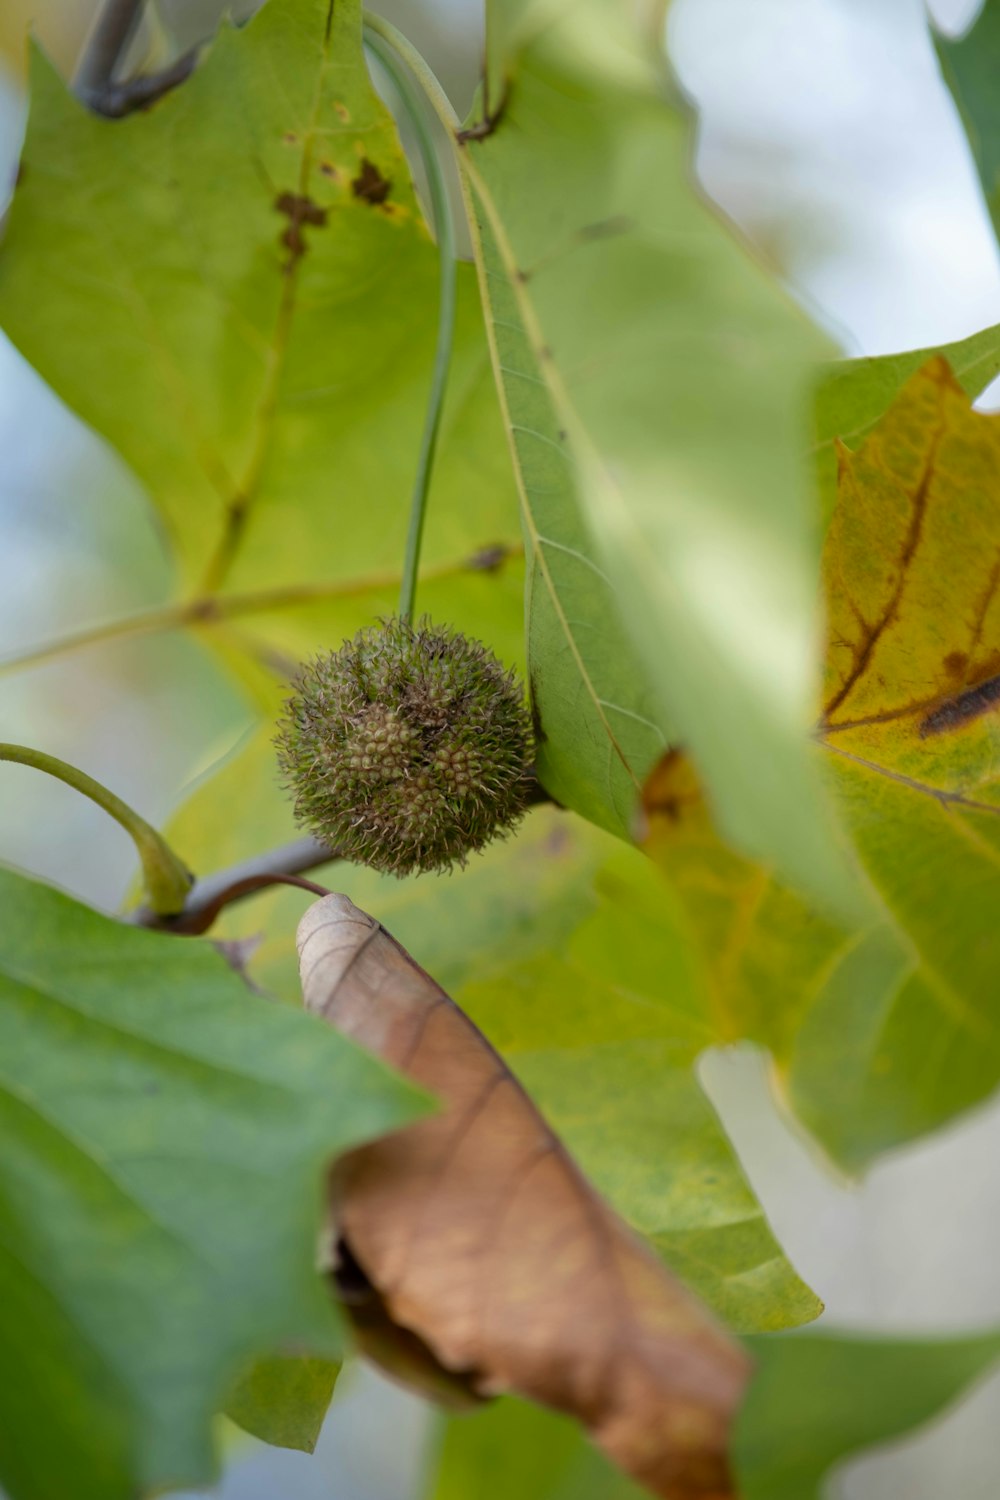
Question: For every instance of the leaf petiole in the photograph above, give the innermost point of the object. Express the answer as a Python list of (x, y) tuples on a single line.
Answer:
[(402, 67), (166, 879)]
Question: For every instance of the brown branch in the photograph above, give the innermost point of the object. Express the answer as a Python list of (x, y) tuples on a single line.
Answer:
[(207, 898), (95, 83)]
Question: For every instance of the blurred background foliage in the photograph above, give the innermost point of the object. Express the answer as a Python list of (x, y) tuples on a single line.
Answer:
[(826, 133)]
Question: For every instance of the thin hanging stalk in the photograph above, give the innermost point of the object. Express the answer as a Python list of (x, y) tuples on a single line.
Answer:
[(384, 43)]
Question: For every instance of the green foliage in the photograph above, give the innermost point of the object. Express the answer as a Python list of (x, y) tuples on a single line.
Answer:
[(282, 1399), (165, 1133), (264, 376), (969, 66), (817, 1400), (601, 728), (237, 290), (511, 1448), (708, 545)]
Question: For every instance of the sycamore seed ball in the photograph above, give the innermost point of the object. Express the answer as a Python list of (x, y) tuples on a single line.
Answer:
[(407, 749)]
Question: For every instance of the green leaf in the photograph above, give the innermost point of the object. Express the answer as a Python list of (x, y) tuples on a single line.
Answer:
[(165, 1134), (600, 730), (217, 304), (969, 64), (511, 1448), (815, 1400), (206, 284), (865, 1073), (648, 325), (282, 1399), (848, 1014)]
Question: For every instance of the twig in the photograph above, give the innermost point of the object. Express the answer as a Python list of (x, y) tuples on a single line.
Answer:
[(281, 866), (112, 29), (207, 898), (94, 81), (116, 100), (209, 609)]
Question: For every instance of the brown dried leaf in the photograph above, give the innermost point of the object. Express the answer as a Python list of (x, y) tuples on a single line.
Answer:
[(483, 1239)]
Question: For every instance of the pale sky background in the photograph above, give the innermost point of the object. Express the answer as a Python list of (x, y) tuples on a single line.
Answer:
[(827, 134)]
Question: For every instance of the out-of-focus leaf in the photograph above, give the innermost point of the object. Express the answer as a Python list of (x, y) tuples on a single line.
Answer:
[(817, 1400), (247, 320), (644, 319), (853, 394), (164, 1134), (511, 1448), (212, 286), (846, 1014), (969, 64), (480, 1235), (283, 1398), (882, 1032)]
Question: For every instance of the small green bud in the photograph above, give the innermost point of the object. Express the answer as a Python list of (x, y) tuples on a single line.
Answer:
[(407, 749)]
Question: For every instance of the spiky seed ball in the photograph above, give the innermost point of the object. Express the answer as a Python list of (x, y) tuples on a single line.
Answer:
[(408, 748)]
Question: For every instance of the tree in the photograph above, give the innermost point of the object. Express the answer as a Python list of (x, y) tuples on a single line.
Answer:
[(587, 454)]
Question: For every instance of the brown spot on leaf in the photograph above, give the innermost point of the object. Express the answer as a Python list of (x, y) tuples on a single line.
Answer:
[(971, 704), (290, 138), (538, 728), (369, 185), (955, 663), (559, 841), (301, 212), (329, 170), (489, 559), (605, 229), (489, 122), (341, 110), (671, 789)]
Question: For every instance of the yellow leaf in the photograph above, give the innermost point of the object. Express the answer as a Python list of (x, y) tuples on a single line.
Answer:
[(912, 567)]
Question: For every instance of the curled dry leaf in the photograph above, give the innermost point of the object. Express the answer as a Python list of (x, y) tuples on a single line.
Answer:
[(487, 1248)]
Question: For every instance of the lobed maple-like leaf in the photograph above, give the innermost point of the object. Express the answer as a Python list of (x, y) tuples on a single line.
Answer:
[(885, 1030), (163, 1134)]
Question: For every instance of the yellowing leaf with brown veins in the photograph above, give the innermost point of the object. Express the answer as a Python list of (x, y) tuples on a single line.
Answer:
[(912, 568), (911, 720), (882, 1034), (484, 1243)]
